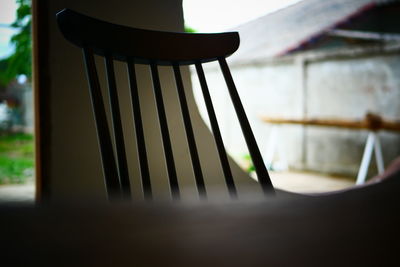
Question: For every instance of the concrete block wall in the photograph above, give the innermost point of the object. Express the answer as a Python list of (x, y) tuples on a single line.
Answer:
[(343, 88)]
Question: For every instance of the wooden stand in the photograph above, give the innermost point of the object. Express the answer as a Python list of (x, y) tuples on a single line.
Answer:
[(373, 123)]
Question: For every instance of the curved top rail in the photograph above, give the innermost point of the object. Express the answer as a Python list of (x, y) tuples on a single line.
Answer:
[(144, 46)]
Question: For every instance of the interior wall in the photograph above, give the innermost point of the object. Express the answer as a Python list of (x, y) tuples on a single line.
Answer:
[(69, 157)]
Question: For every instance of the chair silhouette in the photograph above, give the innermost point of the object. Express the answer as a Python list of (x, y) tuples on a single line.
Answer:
[(138, 46)]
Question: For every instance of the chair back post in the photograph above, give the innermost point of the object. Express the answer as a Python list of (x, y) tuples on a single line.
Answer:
[(261, 170)]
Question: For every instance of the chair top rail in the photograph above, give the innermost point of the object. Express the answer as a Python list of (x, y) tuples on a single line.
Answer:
[(144, 46)]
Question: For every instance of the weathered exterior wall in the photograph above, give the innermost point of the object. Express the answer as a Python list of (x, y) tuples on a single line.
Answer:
[(330, 88), (348, 88)]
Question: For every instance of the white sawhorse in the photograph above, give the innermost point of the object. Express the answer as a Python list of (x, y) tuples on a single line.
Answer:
[(373, 144), (272, 148)]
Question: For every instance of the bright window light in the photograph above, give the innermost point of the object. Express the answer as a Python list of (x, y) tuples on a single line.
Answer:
[(220, 15)]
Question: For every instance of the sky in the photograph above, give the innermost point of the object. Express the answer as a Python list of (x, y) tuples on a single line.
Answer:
[(220, 15), (7, 16)]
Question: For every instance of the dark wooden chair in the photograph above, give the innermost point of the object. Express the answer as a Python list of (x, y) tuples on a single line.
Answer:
[(137, 46)]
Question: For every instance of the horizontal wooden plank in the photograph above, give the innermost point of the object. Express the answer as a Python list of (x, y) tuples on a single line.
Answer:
[(370, 122)]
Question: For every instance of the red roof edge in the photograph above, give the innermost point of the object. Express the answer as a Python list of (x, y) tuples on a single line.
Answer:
[(313, 38)]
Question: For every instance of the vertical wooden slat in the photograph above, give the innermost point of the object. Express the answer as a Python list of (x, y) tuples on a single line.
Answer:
[(103, 134), (217, 134), (173, 180), (117, 126), (140, 142), (189, 133), (41, 98), (261, 170)]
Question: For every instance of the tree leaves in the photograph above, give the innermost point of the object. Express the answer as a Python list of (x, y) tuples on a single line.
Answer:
[(20, 62)]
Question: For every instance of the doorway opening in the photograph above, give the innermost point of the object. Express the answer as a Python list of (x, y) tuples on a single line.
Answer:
[(17, 144)]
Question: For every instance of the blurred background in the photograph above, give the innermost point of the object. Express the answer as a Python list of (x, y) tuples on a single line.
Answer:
[(320, 82), (16, 101)]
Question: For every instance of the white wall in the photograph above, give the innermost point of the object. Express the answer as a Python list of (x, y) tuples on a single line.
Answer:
[(349, 89), (334, 88)]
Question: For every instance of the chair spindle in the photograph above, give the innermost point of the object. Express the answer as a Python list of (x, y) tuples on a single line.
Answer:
[(216, 132), (198, 174), (117, 126), (173, 180), (140, 142)]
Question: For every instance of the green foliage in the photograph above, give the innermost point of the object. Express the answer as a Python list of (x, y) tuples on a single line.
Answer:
[(16, 158), (20, 62), (189, 29), (249, 163)]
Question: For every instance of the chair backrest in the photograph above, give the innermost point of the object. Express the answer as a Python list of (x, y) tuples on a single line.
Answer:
[(137, 46)]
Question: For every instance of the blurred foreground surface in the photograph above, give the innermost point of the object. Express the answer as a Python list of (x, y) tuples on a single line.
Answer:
[(353, 228)]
